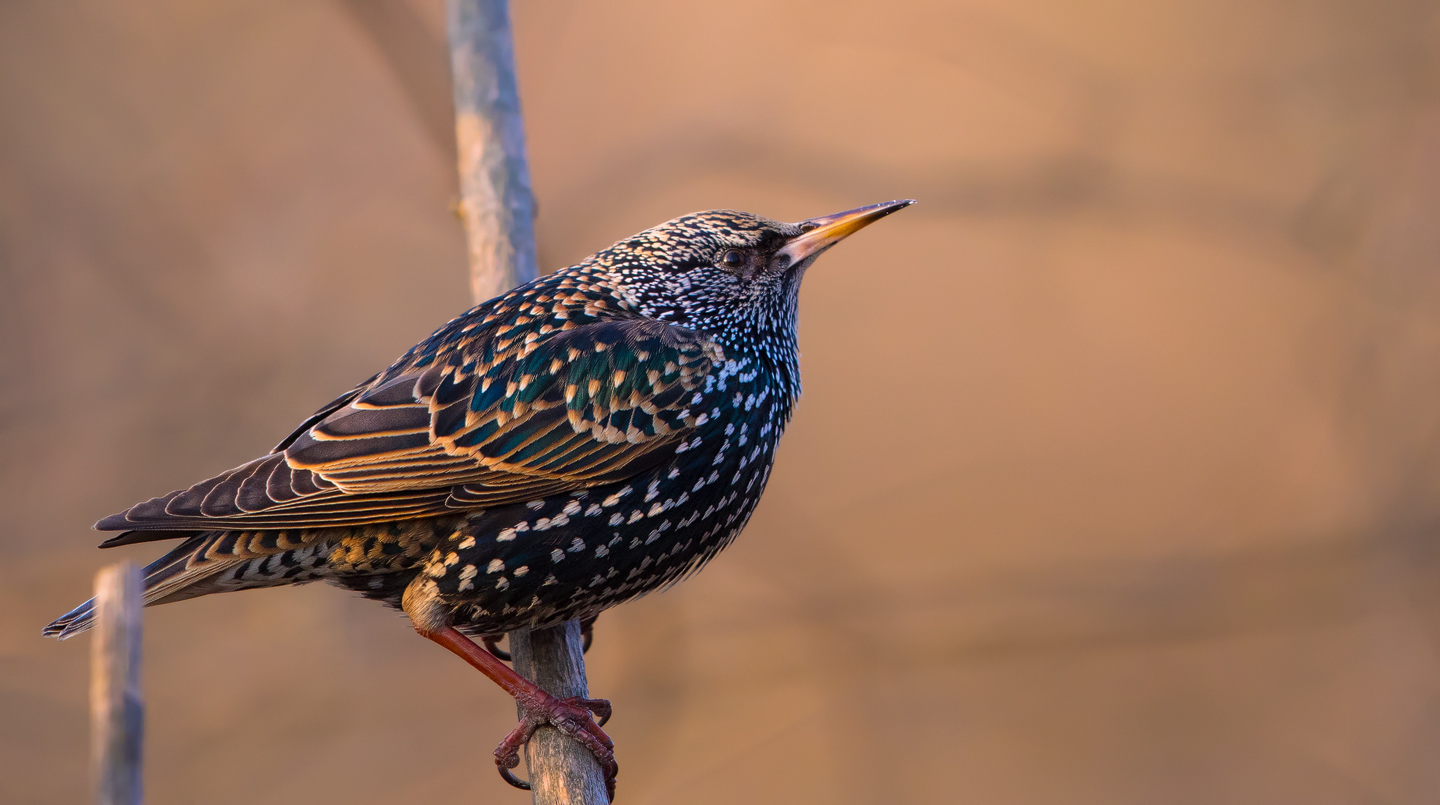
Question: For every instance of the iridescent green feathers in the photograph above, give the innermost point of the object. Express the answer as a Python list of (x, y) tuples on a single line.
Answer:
[(534, 394)]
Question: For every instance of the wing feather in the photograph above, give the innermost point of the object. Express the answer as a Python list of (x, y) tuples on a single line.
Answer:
[(497, 419)]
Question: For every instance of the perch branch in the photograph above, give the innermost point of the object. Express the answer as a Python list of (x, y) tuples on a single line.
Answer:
[(498, 209)]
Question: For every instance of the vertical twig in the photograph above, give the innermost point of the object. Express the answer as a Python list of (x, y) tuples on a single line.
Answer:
[(116, 709), (496, 202), (498, 208)]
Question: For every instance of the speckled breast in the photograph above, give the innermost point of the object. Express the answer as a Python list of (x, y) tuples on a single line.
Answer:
[(563, 557)]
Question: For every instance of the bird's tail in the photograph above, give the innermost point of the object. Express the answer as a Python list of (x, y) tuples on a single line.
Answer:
[(216, 561)]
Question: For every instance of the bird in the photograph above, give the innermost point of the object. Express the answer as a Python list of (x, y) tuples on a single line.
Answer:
[(591, 436)]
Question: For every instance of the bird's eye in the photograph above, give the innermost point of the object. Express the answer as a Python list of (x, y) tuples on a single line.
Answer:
[(732, 258)]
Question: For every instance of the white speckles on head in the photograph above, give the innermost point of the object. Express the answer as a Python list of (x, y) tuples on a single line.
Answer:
[(495, 566), (505, 535), (556, 555)]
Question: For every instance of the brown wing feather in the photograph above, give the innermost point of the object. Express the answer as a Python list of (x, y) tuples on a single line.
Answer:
[(477, 428)]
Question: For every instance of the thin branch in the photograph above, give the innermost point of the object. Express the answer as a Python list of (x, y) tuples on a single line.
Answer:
[(498, 209), (561, 770), (496, 202)]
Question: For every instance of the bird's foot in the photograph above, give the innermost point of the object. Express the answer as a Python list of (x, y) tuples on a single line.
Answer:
[(537, 708), (572, 717)]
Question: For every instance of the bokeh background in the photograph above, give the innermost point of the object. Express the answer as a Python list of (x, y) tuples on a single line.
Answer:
[(1116, 476)]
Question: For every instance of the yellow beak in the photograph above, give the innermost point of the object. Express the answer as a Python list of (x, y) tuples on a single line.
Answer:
[(818, 234)]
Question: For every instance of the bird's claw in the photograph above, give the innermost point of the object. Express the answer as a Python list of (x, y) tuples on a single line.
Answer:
[(587, 636), (509, 776), (572, 717), (492, 645)]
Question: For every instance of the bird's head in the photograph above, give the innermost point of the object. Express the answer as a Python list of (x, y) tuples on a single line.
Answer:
[(732, 275)]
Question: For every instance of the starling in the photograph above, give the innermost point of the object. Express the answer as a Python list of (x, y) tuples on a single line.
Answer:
[(582, 440)]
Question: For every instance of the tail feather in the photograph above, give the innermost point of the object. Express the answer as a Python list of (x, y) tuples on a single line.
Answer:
[(157, 574), (214, 561), (136, 537)]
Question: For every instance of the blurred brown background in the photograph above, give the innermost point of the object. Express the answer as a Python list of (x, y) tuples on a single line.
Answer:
[(1115, 480)]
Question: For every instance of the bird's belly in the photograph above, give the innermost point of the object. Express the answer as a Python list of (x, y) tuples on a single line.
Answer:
[(572, 556)]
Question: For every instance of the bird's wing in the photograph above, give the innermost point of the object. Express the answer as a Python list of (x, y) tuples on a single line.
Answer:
[(325, 410), (481, 425)]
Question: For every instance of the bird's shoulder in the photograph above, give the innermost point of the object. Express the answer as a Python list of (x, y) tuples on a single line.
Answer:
[(504, 326)]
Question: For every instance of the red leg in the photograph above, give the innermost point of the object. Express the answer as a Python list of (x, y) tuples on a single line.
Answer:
[(571, 716)]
